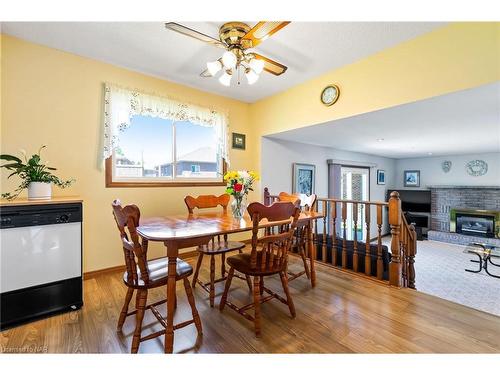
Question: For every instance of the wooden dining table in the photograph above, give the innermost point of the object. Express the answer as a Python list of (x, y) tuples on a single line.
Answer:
[(183, 231)]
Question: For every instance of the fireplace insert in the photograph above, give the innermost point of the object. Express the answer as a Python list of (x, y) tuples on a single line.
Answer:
[(481, 225)]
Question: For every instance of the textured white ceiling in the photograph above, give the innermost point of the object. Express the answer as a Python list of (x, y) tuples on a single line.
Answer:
[(307, 48), (458, 123)]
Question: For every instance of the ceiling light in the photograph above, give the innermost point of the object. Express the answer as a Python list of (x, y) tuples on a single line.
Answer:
[(225, 79), (429, 153), (380, 139), (257, 65), (214, 66), (229, 59), (252, 77)]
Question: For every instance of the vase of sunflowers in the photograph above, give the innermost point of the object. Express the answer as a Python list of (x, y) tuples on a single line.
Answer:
[(239, 183)]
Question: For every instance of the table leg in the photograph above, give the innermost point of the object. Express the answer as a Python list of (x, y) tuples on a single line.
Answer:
[(172, 252), (312, 253)]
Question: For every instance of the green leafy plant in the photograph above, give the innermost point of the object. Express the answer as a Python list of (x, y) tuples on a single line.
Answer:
[(31, 170)]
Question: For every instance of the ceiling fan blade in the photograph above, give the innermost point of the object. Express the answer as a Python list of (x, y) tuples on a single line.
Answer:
[(194, 34), (271, 66), (263, 30)]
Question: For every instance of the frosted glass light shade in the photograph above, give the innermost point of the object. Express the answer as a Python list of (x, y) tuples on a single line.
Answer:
[(214, 66), (252, 77), (225, 79), (229, 60), (257, 65)]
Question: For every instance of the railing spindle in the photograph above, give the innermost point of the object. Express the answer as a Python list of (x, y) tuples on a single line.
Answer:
[(323, 249), (380, 262), (334, 233), (355, 244), (344, 239), (395, 269), (368, 258)]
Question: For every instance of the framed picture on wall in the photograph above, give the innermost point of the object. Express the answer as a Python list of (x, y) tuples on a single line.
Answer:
[(412, 178), (380, 177), (304, 176), (239, 141)]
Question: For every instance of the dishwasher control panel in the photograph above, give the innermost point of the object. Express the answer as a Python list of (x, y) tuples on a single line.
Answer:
[(26, 216)]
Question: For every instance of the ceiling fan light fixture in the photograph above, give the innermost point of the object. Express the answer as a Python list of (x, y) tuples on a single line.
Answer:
[(252, 77), (214, 67), (225, 79), (257, 65), (229, 60)]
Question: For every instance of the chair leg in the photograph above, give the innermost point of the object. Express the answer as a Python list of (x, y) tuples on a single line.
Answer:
[(261, 285), (284, 282), (249, 281), (123, 313), (140, 304), (197, 269), (223, 265), (226, 289), (256, 304), (212, 280), (194, 310), (304, 260)]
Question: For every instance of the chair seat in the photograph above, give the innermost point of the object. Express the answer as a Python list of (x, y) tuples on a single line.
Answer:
[(242, 263), (216, 247), (158, 273)]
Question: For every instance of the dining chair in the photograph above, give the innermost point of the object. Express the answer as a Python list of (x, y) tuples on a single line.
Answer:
[(307, 204), (269, 256), (142, 274), (216, 246)]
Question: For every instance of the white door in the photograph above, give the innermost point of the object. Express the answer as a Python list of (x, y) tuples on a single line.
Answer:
[(355, 185)]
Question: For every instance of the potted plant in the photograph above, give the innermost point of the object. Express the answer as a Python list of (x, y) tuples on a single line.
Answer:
[(35, 175), (239, 183)]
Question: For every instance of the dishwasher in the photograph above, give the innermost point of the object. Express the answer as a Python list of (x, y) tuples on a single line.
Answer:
[(40, 261)]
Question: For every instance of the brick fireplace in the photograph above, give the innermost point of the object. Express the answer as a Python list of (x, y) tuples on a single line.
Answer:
[(478, 210)]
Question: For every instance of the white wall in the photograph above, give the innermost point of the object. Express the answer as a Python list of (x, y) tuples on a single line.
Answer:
[(432, 174), (278, 157)]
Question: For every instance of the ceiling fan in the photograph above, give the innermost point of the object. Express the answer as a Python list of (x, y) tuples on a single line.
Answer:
[(238, 39)]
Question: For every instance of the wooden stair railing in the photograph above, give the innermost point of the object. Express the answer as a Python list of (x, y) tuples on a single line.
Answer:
[(400, 270)]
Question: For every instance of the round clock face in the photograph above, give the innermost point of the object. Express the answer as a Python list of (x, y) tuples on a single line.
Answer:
[(330, 95)]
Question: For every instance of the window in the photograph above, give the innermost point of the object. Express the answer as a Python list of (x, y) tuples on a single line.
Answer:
[(153, 151)]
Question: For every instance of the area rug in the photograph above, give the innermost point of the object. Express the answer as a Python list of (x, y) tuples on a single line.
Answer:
[(440, 271)]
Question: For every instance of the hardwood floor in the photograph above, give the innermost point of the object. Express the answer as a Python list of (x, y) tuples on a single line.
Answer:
[(343, 314)]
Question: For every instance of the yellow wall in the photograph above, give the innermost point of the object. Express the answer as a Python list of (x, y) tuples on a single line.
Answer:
[(54, 98)]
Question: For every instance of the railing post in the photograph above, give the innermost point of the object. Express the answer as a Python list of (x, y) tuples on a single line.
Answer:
[(395, 223), (324, 247), (380, 262)]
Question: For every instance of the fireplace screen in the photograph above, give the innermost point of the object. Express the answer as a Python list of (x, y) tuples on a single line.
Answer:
[(475, 225)]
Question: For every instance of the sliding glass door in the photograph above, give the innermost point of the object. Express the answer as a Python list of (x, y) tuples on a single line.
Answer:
[(355, 185)]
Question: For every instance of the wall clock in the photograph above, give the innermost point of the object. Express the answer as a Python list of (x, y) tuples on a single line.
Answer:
[(330, 95), (476, 168)]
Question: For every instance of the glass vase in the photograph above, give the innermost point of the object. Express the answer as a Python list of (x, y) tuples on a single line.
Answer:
[(238, 206)]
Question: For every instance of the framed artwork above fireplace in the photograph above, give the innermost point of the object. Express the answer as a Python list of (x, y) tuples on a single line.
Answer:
[(412, 178)]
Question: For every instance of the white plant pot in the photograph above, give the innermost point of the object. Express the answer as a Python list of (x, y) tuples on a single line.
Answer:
[(39, 190)]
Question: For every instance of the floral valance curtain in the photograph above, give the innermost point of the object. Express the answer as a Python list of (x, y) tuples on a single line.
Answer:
[(120, 104)]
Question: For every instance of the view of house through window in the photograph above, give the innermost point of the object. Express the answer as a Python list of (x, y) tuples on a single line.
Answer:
[(155, 148)]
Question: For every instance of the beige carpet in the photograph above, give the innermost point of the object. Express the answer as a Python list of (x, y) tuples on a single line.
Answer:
[(440, 271)]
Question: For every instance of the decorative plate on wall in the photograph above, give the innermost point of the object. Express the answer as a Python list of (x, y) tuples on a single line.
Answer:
[(477, 168), (446, 166)]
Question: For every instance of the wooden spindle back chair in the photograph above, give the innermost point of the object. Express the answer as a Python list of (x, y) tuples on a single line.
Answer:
[(307, 204), (216, 245), (142, 275), (269, 256)]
